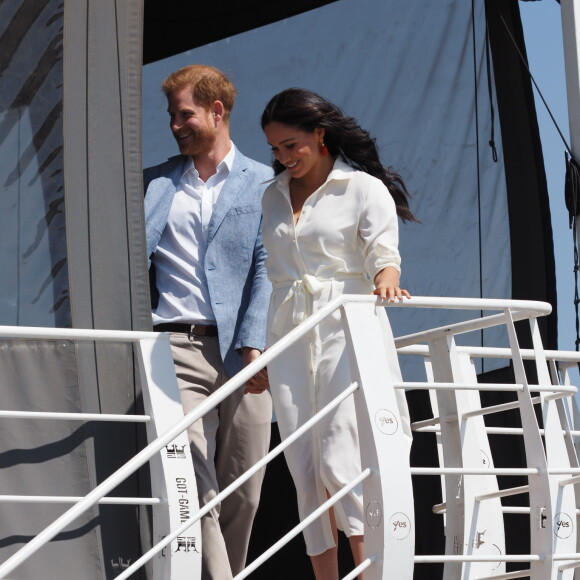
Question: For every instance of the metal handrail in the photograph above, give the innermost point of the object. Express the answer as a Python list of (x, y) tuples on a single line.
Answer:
[(155, 446), (49, 415), (570, 356), (519, 310), (238, 482)]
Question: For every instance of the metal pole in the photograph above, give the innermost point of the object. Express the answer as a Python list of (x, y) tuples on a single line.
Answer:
[(570, 11)]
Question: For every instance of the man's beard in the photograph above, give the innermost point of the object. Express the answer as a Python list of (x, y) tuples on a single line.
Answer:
[(202, 141)]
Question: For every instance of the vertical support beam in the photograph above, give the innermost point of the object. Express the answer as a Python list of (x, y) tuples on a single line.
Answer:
[(570, 11), (438, 438), (384, 443), (531, 239), (484, 525), (172, 472), (103, 202), (564, 523), (472, 528), (103, 185), (452, 456), (541, 508)]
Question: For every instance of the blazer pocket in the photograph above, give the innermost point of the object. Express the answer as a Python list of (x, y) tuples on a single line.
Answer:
[(237, 234), (243, 209)]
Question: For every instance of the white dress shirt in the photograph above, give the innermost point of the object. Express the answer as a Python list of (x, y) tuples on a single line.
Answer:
[(179, 259), (347, 227), (346, 233)]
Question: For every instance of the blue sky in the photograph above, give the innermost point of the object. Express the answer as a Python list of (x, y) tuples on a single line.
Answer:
[(543, 33)]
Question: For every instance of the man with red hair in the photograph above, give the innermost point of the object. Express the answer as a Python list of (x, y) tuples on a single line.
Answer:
[(210, 291)]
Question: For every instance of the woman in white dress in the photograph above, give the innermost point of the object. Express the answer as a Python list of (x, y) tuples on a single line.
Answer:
[(330, 227)]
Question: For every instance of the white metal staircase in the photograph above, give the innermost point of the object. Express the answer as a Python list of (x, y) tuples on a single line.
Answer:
[(471, 502)]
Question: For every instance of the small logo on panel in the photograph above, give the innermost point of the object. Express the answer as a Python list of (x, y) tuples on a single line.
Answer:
[(400, 525), (374, 514), (186, 544), (485, 548), (563, 525), (119, 564), (386, 422), (176, 451), (485, 459), (479, 539), (183, 499)]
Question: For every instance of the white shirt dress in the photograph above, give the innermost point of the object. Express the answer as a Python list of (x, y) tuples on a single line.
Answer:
[(346, 233)]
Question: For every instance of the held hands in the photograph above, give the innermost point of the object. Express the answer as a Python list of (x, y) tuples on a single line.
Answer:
[(387, 285), (259, 382)]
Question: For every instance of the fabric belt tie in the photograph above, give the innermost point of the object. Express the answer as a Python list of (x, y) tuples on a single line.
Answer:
[(294, 306)]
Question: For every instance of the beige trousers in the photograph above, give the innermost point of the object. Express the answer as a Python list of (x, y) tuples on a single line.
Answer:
[(224, 443)]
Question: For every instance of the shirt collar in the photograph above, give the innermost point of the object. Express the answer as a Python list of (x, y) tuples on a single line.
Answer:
[(228, 161), (340, 170), (224, 165)]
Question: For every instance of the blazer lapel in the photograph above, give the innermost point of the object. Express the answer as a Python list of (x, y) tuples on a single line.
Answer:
[(228, 195), (159, 197), (164, 186), (176, 172)]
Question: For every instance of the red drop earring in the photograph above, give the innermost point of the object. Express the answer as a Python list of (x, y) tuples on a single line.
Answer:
[(323, 149)]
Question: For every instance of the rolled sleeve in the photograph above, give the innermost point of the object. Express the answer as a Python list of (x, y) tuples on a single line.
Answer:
[(379, 229)]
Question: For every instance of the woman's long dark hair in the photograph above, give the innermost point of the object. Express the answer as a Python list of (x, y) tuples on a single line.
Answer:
[(306, 110)]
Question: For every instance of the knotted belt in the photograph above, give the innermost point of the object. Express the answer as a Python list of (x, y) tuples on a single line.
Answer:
[(294, 308)]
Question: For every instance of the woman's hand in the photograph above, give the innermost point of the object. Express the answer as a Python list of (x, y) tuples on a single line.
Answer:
[(387, 285), (258, 383)]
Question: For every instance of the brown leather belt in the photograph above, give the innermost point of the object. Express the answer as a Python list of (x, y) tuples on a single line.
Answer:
[(189, 329)]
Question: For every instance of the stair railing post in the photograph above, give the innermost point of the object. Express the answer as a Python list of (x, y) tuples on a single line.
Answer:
[(384, 443), (564, 522), (541, 508), (172, 472)]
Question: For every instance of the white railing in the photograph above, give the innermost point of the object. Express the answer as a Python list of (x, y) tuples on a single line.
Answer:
[(172, 475), (472, 501), (469, 479)]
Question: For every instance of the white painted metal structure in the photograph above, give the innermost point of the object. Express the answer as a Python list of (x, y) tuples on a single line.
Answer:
[(475, 539), (172, 476), (570, 11)]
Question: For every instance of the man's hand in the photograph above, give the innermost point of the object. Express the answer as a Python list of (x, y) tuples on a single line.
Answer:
[(258, 383)]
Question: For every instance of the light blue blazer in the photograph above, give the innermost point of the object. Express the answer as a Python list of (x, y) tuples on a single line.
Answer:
[(235, 257)]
